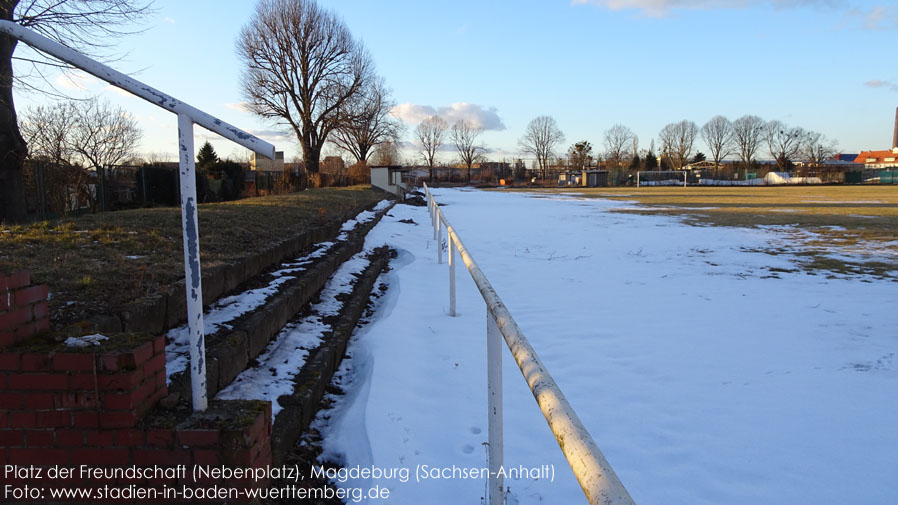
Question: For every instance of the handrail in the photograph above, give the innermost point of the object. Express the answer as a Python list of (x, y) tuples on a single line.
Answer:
[(187, 117), (596, 477)]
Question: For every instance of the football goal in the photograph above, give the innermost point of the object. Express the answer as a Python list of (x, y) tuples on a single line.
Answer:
[(661, 178)]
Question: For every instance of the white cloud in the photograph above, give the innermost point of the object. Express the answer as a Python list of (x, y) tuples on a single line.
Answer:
[(488, 118), (169, 20), (662, 8), (274, 136), (75, 80), (876, 83), (238, 106), (878, 17), (117, 90)]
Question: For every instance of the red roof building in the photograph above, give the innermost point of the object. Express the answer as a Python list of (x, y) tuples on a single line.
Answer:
[(878, 159)]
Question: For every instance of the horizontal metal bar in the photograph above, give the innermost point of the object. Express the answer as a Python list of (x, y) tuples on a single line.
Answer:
[(596, 477), (136, 87)]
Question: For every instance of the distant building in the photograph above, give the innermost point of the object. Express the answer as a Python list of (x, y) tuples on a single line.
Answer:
[(389, 178), (842, 163), (583, 178), (878, 159), (700, 165), (262, 164), (848, 158)]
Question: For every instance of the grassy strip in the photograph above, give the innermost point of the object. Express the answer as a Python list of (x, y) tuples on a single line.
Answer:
[(858, 223), (101, 260)]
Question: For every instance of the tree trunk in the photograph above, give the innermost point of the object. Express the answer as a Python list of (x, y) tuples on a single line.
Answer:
[(12, 146), (312, 158)]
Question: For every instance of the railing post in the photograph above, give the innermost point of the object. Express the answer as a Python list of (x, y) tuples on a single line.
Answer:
[(494, 390), (451, 273), (439, 242), (193, 285)]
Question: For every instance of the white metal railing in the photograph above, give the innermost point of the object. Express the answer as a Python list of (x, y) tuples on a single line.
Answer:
[(187, 117), (596, 477)]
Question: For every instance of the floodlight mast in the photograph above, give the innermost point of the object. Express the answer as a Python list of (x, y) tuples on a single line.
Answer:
[(187, 117)]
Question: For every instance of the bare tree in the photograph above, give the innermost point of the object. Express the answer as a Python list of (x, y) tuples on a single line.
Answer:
[(748, 132), (784, 143), (303, 66), (103, 134), (430, 133), (618, 141), (46, 129), (464, 135), (386, 154), (718, 136), (69, 136), (677, 140), (85, 25), (367, 121), (817, 148), (540, 138)]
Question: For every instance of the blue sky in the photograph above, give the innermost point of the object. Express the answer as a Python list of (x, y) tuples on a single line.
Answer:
[(825, 65)]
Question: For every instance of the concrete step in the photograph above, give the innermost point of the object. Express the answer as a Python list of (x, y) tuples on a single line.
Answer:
[(234, 347)]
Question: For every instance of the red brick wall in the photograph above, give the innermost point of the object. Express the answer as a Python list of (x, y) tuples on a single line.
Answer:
[(76, 407), (23, 308), (83, 408), (59, 391)]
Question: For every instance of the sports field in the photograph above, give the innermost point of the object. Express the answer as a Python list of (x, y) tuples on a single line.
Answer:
[(709, 368), (840, 229)]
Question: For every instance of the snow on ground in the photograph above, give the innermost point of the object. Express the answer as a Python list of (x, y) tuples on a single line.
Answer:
[(284, 357), (702, 378), (228, 309), (86, 340)]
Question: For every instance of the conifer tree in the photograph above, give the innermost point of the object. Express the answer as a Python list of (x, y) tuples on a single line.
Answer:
[(206, 156)]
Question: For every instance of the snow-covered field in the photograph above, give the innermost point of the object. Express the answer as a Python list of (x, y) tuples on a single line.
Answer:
[(704, 377)]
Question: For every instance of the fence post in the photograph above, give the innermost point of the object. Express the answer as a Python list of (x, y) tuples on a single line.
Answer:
[(101, 188), (451, 273), (143, 182), (192, 272), (494, 390), (439, 243), (42, 190)]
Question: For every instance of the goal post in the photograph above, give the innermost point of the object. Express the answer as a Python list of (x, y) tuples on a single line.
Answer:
[(661, 178)]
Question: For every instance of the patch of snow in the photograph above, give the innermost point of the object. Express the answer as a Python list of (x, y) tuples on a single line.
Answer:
[(381, 205), (85, 341), (361, 218), (284, 357)]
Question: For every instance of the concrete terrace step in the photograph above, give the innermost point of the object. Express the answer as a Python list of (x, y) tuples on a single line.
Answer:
[(297, 401), (156, 314), (241, 326)]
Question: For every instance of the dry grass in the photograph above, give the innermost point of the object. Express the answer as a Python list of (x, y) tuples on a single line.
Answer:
[(855, 221), (103, 260)]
